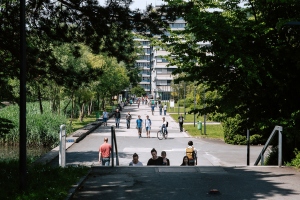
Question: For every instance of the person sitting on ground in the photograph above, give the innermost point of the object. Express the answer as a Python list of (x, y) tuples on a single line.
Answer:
[(135, 161), (155, 160), (185, 161), (166, 161)]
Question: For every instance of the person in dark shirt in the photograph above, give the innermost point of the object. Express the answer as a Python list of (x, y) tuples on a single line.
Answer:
[(117, 118), (166, 161), (155, 160)]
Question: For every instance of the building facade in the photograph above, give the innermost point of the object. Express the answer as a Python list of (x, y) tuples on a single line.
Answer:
[(156, 76)]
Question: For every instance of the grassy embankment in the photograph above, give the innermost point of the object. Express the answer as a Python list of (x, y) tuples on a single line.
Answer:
[(214, 131)]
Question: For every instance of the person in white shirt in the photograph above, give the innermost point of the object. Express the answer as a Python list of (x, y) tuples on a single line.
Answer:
[(165, 109), (135, 161), (148, 126)]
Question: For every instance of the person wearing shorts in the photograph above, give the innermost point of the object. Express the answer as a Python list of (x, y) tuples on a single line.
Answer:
[(139, 126), (105, 117), (148, 126)]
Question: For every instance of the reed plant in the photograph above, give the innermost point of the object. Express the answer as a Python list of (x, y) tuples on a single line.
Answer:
[(42, 129)]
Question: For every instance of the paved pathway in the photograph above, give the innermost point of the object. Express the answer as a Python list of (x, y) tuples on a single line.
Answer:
[(210, 152), (221, 173)]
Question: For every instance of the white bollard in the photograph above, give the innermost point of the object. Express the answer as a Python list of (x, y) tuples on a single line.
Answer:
[(62, 146)]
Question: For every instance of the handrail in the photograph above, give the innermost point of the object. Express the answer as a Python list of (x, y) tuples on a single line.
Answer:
[(114, 146), (261, 155)]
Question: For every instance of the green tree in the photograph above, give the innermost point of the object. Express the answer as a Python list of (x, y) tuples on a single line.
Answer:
[(245, 54), (138, 91)]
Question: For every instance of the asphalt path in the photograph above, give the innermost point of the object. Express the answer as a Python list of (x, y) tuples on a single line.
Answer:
[(210, 152), (221, 172)]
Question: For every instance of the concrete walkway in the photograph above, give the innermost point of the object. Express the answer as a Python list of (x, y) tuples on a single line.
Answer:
[(221, 172)]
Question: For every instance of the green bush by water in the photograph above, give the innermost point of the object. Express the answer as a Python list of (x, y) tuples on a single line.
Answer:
[(42, 129)]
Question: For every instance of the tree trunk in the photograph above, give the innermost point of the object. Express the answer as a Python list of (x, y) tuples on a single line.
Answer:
[(40, 100), (65, 108), (82, 112), (90, 108)]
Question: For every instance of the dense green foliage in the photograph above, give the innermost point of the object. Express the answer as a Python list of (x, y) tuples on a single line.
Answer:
[(249, 56), (296, 161), (42, 129), (138, 91), (44, 182)]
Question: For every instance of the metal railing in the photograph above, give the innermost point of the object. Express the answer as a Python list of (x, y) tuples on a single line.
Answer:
[(114, 146), (261, 155)]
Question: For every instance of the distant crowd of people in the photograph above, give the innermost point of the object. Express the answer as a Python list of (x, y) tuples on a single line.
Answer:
[(189, 159)]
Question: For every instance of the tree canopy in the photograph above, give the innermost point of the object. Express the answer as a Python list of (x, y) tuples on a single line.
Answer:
[(248, 54)]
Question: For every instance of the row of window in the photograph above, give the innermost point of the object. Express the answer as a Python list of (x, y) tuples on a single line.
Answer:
[(142, 64), (163, 82), (177, 25), (164, 70)]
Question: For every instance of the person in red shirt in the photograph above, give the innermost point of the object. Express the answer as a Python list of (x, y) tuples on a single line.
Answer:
[(104, 153)]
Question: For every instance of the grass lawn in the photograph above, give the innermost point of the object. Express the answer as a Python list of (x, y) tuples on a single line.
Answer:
[(212, 131), (187, 118), (76, 124)]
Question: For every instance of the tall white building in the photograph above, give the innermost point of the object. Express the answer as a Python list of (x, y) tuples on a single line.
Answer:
[(156, 76)]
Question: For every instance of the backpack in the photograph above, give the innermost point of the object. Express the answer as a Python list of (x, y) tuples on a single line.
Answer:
[(190, 153), (167, 124)]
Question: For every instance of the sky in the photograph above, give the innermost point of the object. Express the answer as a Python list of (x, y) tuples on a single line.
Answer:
[(141, 4)]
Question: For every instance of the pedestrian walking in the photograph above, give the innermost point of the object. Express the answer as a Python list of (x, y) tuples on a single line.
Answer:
[(165, 109), (139, 126), (117, 116), (180, 121), (160, 106), (135, 161), (105, 117), (155, 160), (128, 118), (104, 153), (148, 126), (152, 108), (138, 103), (191, 153)]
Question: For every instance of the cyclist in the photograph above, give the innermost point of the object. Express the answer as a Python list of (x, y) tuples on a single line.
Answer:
[(164, 126)]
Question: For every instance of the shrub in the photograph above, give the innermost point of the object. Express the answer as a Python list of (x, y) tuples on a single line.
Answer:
[(296, 161), (272, 157), (256, 139), (42, 129)]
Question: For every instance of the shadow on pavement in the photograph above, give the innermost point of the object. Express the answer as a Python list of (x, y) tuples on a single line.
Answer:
[(186, 182)]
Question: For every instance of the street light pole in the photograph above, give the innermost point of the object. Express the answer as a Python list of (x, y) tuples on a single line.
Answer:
[(184, 97), (151, 48), (204, 113), (22, 120), (194, 105)]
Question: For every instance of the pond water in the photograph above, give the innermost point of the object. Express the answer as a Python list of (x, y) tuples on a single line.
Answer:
[(13, 151)]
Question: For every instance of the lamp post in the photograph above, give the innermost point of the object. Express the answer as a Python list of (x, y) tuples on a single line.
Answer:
[(22, 120), (204, 113), (194, 105), (151, 49), (184, 97)]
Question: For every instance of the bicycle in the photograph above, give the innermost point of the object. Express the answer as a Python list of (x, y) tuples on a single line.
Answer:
[(161, 135)]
